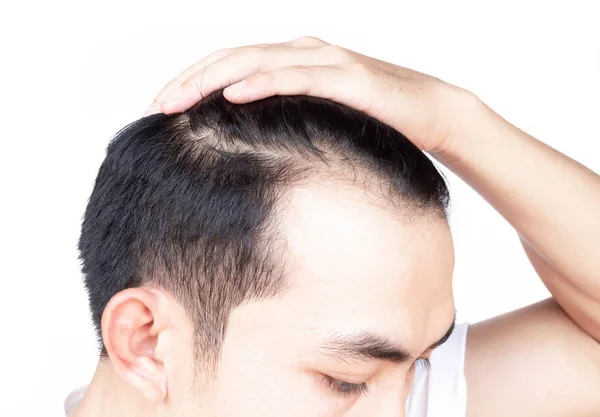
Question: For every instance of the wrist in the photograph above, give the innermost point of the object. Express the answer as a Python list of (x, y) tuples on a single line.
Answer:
[(469, 115)]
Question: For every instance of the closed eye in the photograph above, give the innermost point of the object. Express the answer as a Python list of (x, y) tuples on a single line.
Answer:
[(345, 388)]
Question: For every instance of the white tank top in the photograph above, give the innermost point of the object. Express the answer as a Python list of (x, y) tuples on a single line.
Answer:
[(440, 391)]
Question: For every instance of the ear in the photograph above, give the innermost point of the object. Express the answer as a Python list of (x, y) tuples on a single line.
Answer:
[(130, 331)]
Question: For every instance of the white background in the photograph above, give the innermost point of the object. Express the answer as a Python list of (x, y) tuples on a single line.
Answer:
[(73, 74)]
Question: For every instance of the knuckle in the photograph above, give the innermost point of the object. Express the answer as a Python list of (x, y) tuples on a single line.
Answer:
[(311, 40), (337, 53), (359, 68)]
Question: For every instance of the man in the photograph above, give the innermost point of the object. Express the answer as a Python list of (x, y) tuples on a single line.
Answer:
[(291, 256)]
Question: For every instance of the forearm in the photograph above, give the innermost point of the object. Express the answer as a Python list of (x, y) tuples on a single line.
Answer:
[(551, 200)]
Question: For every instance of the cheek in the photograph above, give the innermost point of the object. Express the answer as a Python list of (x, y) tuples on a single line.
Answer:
[(262, 377), (267, 388)]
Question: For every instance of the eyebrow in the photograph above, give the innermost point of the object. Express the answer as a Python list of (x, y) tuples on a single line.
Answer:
[(367, 345)]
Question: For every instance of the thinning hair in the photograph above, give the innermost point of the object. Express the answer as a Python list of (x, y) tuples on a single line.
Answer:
[(189, 202)]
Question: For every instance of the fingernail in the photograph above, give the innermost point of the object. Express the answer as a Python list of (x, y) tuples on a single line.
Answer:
[(153, 109)]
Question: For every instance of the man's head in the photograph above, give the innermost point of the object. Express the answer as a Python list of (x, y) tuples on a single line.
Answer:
[(276, 257)]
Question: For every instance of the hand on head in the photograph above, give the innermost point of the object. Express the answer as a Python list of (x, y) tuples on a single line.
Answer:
[(426, 109)]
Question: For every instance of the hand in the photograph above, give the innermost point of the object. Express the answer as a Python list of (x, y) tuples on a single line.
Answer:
[(427, 110)]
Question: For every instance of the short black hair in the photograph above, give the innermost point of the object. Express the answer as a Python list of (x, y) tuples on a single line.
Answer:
[(188, 201)]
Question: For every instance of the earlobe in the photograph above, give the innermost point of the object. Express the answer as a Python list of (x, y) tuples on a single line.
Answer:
[(130, 336)]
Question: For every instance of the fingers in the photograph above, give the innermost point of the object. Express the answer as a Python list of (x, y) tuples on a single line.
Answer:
[(246, 62), (352, 85), (166, 91), (215, 56), (331, 82)]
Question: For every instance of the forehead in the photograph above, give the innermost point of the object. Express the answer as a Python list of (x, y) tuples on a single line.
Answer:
[(340, 234), (355, 264)]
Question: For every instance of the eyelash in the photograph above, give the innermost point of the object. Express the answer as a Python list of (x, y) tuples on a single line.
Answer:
[(345, 388)]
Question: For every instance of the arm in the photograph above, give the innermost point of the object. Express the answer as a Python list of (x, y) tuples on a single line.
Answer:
[(543, 359), (552, 201)]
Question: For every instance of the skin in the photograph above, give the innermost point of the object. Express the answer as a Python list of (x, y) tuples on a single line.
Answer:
[(543, 359)]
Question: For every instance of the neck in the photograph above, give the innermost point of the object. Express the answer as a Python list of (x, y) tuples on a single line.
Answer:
[(108, 395)]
